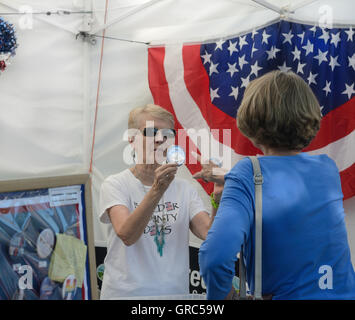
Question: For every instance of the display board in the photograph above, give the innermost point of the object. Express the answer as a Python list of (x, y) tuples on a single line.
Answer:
[(46, 239)]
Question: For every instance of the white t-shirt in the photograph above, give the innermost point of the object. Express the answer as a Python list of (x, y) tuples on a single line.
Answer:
[(139, 270)]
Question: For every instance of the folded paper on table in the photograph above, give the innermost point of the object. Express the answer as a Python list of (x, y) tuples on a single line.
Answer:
[(68, 258)]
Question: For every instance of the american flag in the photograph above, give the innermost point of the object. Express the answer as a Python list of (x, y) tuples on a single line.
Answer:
[(203, 85)]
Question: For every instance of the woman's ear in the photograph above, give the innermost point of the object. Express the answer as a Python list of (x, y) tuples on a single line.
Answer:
[(131, 135)]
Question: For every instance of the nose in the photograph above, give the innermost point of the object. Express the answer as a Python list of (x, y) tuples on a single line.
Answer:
[(159, 138)]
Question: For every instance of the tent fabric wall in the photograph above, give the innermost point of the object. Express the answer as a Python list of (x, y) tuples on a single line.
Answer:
[(123, 87), (49, 93), (202, 21), (42, 107)]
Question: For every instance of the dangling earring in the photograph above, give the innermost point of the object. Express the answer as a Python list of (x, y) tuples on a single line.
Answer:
[(133, 153)]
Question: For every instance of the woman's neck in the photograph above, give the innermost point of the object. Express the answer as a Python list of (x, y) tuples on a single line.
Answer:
[(267, 151), (144, 173), (274, 152)]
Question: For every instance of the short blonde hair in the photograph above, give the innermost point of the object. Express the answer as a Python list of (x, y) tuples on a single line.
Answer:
[(151, 109), (280, 111)]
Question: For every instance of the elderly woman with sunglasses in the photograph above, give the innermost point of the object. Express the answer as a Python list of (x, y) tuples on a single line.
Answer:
[(149, 212)]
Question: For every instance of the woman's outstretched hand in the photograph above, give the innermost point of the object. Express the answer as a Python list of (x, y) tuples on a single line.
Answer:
[(211, 172)]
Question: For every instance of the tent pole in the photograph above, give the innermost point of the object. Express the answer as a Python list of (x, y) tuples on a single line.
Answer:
[(87, 112), (98, 91), (124, 16)]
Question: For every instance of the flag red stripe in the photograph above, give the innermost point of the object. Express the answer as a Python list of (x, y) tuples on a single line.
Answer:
[(347, 177), (197, 84), (160, 91), (335, 125), (157, 80)]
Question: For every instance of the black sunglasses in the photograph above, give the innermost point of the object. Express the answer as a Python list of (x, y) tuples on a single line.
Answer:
[(152, 132)]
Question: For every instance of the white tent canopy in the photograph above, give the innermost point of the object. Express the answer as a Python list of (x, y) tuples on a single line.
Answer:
[(60, 89)]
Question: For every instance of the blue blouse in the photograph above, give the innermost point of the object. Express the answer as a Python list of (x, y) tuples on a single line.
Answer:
[(305, 253)]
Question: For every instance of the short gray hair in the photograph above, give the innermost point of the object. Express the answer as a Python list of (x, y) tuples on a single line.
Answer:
[(151, 109)]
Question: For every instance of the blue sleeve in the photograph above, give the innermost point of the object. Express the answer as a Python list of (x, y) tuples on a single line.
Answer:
[(231, 226)]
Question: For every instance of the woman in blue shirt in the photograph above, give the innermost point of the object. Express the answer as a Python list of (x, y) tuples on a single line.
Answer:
[(305, 249)]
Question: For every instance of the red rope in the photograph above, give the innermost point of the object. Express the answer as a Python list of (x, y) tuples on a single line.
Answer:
[(98, 89)]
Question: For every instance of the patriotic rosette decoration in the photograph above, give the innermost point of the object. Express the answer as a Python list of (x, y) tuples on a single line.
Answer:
[(8, 43)]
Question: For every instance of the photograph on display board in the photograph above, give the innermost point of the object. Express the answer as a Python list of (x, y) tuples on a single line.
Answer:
[(46, 247)]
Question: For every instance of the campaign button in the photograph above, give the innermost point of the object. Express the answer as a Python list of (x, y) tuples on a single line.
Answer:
[(47, 289), (45, 243), (175, 154), (17, 245), (69, 287)]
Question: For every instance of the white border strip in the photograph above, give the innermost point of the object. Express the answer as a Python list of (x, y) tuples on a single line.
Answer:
[(186, 110), (341, 151), (23, 201)]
